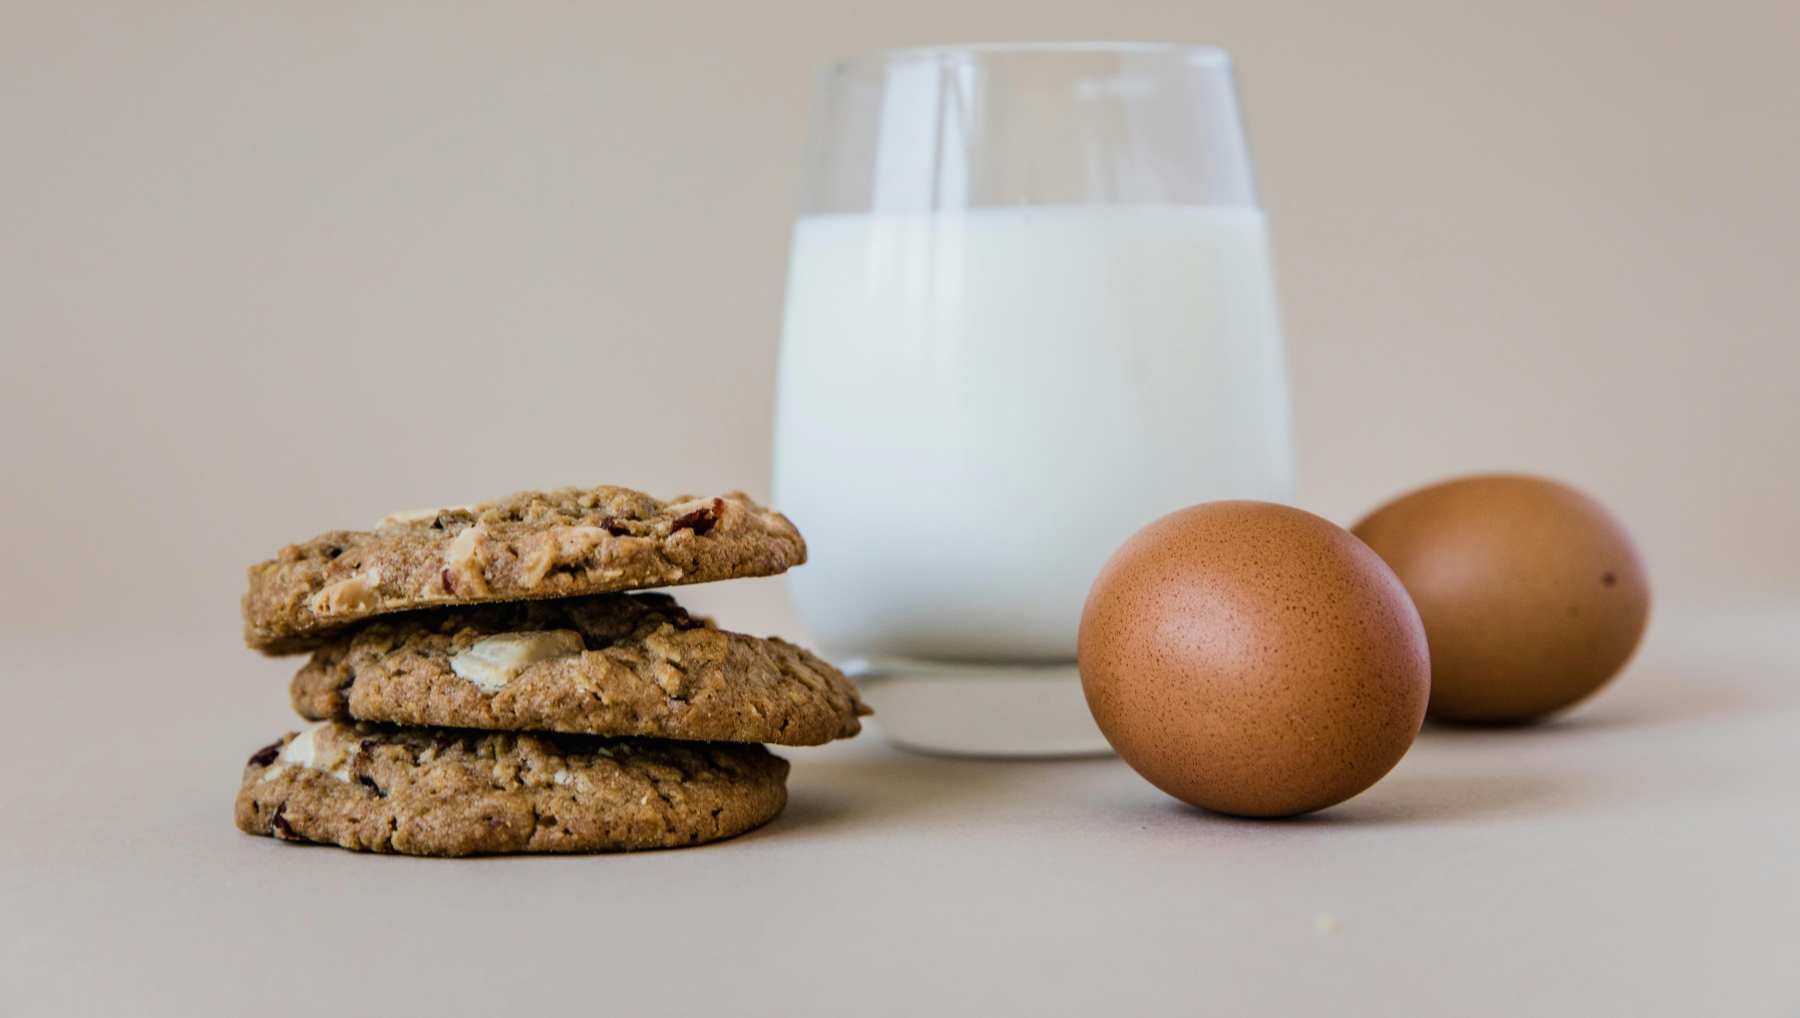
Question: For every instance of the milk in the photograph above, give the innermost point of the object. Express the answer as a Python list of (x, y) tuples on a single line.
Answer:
[(977, 407)]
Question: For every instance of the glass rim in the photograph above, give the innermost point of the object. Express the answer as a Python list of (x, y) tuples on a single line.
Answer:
[(1199, 54)]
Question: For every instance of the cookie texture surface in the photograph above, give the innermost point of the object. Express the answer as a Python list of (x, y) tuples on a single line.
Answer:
[(612, 664), (443, 792), (535, 544)]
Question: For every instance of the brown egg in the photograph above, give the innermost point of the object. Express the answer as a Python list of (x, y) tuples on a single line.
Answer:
[(1253, 659), (1533, 595)]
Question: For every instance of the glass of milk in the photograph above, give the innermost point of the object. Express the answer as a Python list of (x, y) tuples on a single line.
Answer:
[(1029, 310)]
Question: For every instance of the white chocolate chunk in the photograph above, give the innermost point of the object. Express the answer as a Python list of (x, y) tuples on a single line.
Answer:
[(465, 562), (464, 547), (558, 546), (497, 660), (407, 517), (353, 593), (303, 751)]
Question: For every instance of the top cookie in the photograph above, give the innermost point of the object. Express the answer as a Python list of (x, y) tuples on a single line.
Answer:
[(535, 544)]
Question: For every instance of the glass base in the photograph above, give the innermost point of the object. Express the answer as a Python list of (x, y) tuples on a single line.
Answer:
[(980, 709)]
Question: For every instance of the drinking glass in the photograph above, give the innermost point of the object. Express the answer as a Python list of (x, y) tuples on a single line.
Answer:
[(1029, 309)]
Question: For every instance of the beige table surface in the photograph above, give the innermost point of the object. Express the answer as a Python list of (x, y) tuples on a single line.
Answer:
[(1641, 856)]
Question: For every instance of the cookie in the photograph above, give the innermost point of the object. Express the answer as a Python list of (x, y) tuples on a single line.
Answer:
[(612, 664), (422, 791), (536, 544)]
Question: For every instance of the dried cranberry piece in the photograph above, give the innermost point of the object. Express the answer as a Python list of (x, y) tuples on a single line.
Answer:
[(266, 755), (702, 519)]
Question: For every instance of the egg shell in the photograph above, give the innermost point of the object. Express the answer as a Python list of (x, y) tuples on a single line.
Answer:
[(1253, 659), (1533, 595)]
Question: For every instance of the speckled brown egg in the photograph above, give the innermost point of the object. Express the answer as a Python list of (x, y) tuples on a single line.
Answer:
[(1533, 595), (1253, 659)]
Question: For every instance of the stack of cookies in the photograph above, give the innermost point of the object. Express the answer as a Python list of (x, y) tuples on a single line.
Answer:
[(480, 683)]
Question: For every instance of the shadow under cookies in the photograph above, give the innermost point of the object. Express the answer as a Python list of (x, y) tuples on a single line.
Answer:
[(881, 784)]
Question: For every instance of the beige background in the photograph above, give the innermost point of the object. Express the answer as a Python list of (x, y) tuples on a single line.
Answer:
[(266, 269), (270, 269)]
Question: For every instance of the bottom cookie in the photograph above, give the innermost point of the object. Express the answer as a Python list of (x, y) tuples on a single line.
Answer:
[(449, 792)]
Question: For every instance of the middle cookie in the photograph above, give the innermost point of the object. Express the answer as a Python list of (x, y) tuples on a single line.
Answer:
[(613, 664)]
